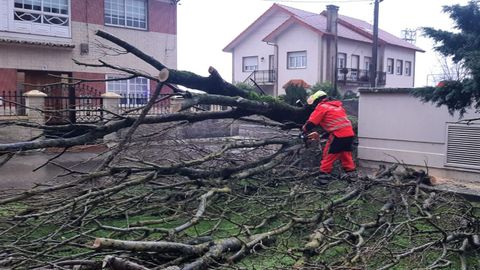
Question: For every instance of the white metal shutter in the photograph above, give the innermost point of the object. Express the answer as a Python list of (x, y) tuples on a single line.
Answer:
[(463, 145)]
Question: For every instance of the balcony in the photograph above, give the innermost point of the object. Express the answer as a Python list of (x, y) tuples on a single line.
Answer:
[(262, 77), (359, 76)]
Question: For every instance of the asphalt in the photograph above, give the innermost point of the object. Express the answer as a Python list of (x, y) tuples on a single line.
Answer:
[(25, 171)]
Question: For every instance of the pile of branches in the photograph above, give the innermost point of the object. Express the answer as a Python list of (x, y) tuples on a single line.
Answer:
[(158, 202), (136, 216)]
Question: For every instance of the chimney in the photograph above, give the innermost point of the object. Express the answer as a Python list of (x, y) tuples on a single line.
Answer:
[(332, 16)]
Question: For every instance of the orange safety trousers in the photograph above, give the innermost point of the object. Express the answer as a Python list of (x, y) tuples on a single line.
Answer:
[(328, 159)]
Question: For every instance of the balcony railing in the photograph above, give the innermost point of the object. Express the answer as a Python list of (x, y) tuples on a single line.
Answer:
[(262, 76), (359, 76)]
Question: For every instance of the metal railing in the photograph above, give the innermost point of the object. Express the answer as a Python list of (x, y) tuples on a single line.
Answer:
[(84, 109), (79, 103), (262, 76), (360, 76), (12, 103), (68, 104), (133, 103)]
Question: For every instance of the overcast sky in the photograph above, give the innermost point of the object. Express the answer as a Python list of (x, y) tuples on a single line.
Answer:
[(205, 27)]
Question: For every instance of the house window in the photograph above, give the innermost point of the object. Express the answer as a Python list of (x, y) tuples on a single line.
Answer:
[(297, 59), (250, 63), (408, 68), (126, 13), (133, 91), (367, 63), (390, 65), (341, 60), (399, 67), (52, 12), (36, 17)]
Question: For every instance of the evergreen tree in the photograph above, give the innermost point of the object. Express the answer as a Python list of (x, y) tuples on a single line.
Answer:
[(463, 46)]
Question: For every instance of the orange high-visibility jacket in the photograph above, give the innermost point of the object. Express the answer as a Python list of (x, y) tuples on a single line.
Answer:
[(331, 116)]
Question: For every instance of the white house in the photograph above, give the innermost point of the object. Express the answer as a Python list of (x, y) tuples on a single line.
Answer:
[(285, 43)]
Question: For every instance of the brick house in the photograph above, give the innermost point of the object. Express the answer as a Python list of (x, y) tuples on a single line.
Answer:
[(286, 43), (41, 37)]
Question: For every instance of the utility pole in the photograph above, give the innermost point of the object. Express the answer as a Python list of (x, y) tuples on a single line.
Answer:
[(373, 70)]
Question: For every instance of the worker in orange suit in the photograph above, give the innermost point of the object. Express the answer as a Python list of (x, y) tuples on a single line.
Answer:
[(331, 117)]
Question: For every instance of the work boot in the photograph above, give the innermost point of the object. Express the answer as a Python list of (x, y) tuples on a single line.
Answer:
[(322, 179), (350, 176)]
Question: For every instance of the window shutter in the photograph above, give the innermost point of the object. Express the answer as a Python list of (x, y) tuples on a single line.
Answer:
[(250, 61)]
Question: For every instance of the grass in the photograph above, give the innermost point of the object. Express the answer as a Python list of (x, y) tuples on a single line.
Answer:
[(238, 210), (12, 209)]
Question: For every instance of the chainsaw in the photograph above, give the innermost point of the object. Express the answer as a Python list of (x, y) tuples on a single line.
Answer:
[(306, 137)]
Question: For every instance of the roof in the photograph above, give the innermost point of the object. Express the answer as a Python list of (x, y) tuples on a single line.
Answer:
[(319, 23), (348, 27), (274, 8), (297, 82), (367, 29), (36, 43)]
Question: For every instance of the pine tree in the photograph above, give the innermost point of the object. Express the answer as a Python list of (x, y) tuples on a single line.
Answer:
[(463, 46)]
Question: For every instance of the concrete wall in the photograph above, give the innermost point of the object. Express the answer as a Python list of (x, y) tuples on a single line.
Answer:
[(395, 126)]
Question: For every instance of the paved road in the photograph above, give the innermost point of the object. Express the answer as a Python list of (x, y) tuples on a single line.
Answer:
[(20, 173)]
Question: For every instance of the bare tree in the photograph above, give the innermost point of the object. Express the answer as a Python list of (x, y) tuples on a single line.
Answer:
[(157, 201)]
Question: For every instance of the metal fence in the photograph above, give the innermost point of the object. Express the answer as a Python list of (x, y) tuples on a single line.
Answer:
[(360, 76), (12, 103), (134, 103), (68, 104), (72, 104), (84, 109)]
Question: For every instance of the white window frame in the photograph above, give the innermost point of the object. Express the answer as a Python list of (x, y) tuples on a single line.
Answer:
[(124, 25), (126, 100), (297, 60), (249, 63), (12, 19), (408, 68), (399, 68), (390, 68)]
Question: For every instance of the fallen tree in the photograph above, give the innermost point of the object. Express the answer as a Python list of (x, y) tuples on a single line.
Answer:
[(156, 201)]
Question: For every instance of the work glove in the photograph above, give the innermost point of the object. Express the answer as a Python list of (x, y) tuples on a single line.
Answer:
[(314, 136)]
